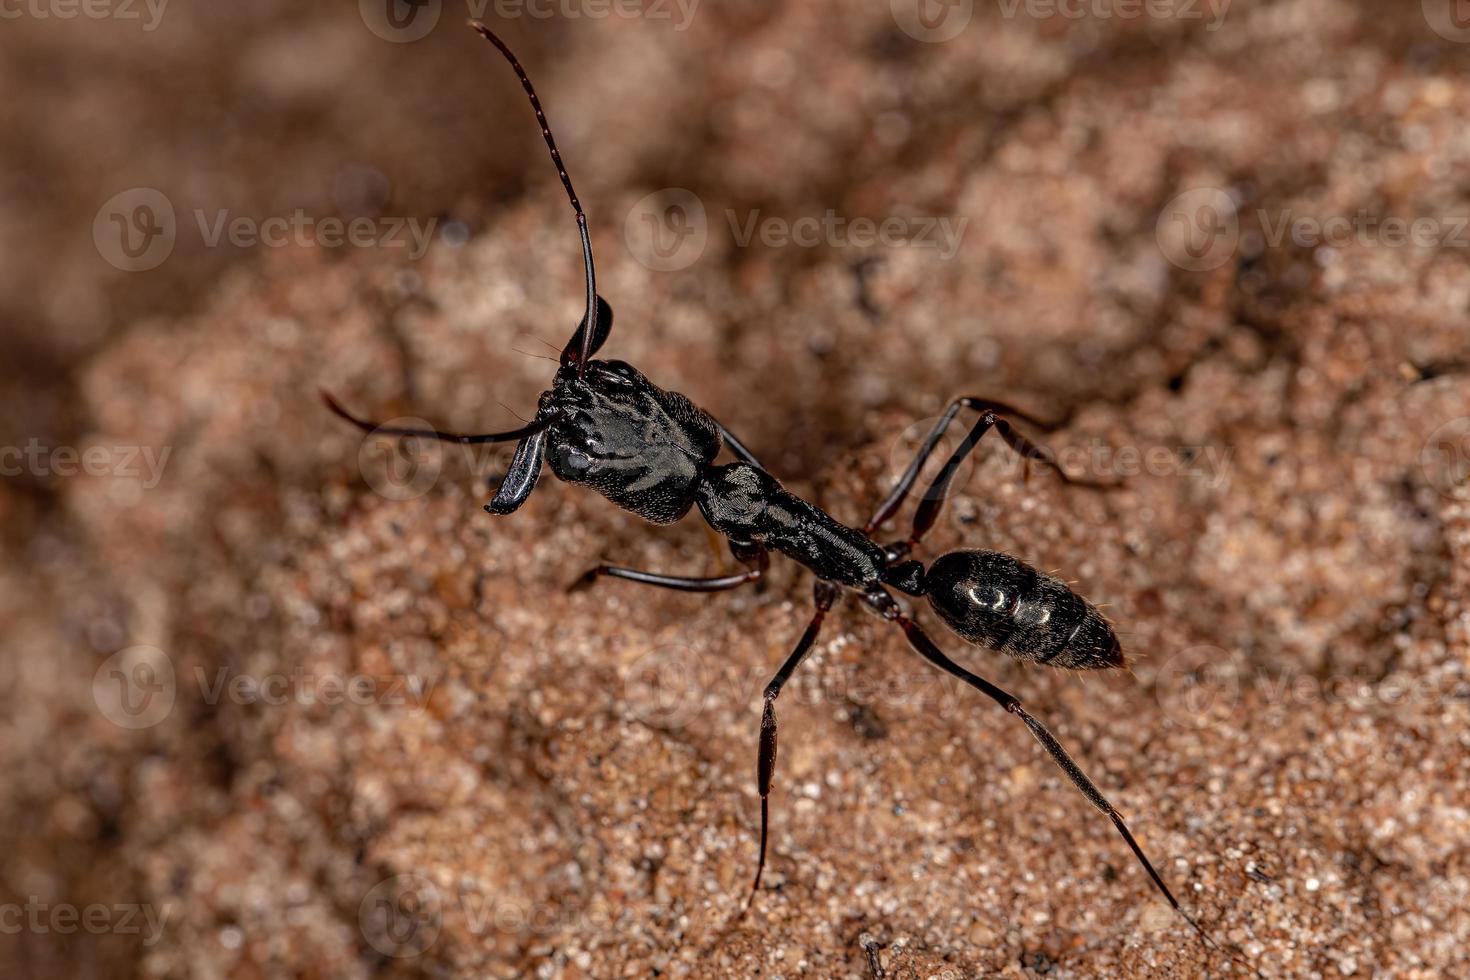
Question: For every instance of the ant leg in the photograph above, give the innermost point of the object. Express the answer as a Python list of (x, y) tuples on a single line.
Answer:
[(886, 607), (933, 499), (366, 425), (738, 448), (824, 594), (1015, 440), (753, 555), (872, 950)]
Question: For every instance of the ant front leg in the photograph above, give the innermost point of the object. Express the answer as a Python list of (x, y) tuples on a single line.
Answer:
[(824, 594), (753, 555), (992, 410)]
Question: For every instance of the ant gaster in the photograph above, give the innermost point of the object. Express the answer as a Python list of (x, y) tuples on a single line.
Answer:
[(605, 426)]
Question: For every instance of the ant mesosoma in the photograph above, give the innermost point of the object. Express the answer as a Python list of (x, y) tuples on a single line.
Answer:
[(652, 452)]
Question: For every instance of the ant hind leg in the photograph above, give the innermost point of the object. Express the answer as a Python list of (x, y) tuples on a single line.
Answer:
[(885, 606), (824, 594)]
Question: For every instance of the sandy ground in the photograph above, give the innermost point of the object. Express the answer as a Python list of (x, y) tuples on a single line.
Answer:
[(293, 695)]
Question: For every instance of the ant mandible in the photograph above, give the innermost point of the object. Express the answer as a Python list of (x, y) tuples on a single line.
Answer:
[(605, 426)]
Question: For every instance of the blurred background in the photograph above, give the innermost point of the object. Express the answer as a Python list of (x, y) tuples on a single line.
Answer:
[(279, 701)]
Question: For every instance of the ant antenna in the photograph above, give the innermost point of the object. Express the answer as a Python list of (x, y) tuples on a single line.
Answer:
[(465, 439), (588, 329)]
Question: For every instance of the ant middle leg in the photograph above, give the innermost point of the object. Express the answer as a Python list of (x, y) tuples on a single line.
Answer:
[(753, 555), (1018, 443), (824, 594)]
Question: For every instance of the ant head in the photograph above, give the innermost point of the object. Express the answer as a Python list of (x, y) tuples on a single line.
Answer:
[(612, 430), (602, 423)]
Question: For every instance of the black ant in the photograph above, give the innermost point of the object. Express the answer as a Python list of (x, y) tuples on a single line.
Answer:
[(652, 452)]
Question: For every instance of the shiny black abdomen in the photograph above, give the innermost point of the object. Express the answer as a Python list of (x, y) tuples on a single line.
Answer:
[(1000, 602)]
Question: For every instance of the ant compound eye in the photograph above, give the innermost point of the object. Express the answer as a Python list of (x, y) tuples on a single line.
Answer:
[(572, 462), (619, 372)]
